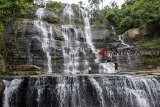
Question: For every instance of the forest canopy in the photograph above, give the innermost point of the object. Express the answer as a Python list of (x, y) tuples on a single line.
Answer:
[(133, 13)]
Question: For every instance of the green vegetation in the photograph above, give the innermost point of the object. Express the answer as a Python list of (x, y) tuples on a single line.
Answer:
[(54, 5), (133, 14), (11, 9), (98, 20), (152, 61), (155, 44)]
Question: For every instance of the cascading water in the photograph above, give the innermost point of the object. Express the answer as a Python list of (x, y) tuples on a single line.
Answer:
[(87, 29), (46, 37), (99, 91), (10, 88), (84, 91), (73, 50), (106, 68), (68, 13), (122, 41), (103, 67), (125, 47)]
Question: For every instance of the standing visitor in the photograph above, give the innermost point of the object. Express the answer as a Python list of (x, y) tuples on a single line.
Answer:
[(116, 65)]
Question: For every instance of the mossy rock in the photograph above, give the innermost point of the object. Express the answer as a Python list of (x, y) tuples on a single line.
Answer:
[(19, 73), (26, 68), (52, 18)]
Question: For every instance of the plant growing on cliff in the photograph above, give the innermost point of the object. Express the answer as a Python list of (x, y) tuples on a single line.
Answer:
[(11, 9)]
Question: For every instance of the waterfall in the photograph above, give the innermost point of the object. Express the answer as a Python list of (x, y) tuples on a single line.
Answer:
[(73, 50), (106, 68), (10, 89), (99, 91), (68, 13), (87, 29), (103, 67), (122, 41), (46, 37), (83, 91), (68, 87), (126, 46)]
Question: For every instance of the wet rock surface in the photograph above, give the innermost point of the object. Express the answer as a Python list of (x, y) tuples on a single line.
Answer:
[(24, 47), (2, 64)]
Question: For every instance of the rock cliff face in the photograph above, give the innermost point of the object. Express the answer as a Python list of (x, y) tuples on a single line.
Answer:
[(2, 64), (146, 47), (24, 47)]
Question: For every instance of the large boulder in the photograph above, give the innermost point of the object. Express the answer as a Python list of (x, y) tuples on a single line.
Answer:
[(51, 17), (133, 33), (2, 64)]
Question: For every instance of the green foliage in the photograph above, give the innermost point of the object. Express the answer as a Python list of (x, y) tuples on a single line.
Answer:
[(152, 61), (54, 5), (154, 44), (134, 13), (98, 20), (13, 8)]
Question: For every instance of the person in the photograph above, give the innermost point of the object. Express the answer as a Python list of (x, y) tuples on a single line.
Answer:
[(116, 64)]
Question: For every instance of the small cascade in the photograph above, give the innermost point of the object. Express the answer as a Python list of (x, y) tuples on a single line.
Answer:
[(68, 91), (87, 29), (46, 37), (10, 89), (74, 55), (99, 91), (68, 13), (106, 68), (40, 86), (30, 54), (88, 34), (73, 49), (127, 55), (122, 41)]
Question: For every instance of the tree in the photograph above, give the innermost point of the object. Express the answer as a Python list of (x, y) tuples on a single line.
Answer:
[(96, 3), (134, 13), (12, 8)]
